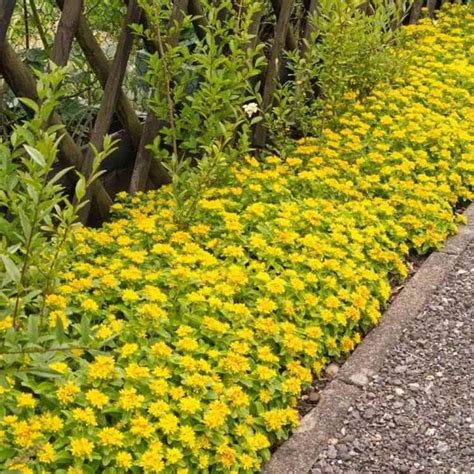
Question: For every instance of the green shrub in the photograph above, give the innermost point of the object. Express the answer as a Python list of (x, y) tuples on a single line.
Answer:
[(36, 218), (199, 94), (348, 52)]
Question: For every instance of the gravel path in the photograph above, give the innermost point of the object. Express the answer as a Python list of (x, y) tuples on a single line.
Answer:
[(416, 415)]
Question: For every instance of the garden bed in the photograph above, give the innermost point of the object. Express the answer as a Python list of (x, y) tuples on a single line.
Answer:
[(191, 346)]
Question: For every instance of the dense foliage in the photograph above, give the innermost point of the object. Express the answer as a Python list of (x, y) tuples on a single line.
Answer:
[(185, 349)]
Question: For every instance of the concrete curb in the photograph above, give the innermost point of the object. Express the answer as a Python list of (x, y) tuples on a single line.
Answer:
[(301, 451)]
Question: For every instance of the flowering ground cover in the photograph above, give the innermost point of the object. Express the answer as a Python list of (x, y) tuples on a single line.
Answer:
[(191, 346)]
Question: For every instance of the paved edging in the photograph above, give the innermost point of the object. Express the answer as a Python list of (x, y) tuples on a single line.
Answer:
[(301, 451)]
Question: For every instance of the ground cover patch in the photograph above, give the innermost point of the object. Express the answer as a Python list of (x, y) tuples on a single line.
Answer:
[(193, 345)]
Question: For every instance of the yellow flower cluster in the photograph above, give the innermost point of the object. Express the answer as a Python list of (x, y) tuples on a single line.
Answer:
[(199, 341)]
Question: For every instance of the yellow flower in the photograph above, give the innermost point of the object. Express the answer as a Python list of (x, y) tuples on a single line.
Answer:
[(236, 363), (110, 437), (26, 400), (276, 286), (226, 456), (128, 349), (135, 371), (258, 441), (89, 305), (189, 405), (152, 461), (216, 414), (187, 344), (51, 422), (141, 427), (81, 447), (86, 415), (187, 436), (68, 392), (173, 455), (124, 459), (60, 367), (129, 399), (102, 368), (46, 454), (161, 349), (168, 424), (96, 398), (237, 397), (130, 296), (265, 305), (275, 419)]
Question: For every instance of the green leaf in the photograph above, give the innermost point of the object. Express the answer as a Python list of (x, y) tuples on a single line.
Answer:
[(59, 331), (33, 328), (60, 174), (7, 453), (45, 373), (24, 221), (11, 268), (31, 104), (35, 155), (85, 329), (80, 191)]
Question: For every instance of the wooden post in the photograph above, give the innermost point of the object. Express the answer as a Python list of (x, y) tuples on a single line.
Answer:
[(313, 9), (199, 21), (6, 12), (101, 68), (111, 92), (67, 27), (291, 42), (416, 11), (144, 159), (175, 21), (22, 82), (431, 5), (254, 29), (273, 68)]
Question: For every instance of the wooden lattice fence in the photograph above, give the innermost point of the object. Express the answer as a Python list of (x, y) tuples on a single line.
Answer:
[(289, 33)]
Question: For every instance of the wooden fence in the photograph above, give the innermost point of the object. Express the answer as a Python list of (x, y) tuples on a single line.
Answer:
[(74, 25)]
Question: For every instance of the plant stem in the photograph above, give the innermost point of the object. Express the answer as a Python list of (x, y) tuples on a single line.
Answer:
[(169, 97), (21, 282), (39, 26)]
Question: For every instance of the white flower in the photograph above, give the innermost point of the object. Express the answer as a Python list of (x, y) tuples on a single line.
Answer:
[(250, 109)]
